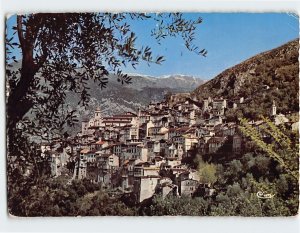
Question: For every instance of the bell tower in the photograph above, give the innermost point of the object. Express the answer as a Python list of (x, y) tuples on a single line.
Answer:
[(98, 117), (274, 109)]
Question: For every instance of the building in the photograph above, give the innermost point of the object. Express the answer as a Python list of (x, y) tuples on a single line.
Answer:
[(215, 143), (145, 187), (188, 187)]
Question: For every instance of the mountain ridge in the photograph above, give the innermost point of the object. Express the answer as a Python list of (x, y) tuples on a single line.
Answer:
[(269, 76)]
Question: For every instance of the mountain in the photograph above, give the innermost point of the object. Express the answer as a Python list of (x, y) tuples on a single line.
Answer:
[(268, 76), (117, 98), (177, 82)]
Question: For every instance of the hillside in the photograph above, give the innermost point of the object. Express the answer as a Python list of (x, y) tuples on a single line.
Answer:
[(272, 75)]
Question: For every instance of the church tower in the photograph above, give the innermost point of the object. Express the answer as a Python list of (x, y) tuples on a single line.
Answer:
[(274, 109), (205, 104), (97, 117)]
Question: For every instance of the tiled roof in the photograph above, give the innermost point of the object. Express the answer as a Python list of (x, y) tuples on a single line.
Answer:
[(84, 151), (216, 139), (115, 121), (100, 142)]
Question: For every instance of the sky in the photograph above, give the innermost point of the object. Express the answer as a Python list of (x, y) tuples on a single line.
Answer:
[(229, 38)]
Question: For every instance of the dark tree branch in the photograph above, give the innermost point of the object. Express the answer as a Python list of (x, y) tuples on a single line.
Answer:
[(20, 31)]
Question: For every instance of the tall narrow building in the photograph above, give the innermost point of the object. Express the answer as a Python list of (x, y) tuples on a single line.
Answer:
[(98, 117), (274, 109)]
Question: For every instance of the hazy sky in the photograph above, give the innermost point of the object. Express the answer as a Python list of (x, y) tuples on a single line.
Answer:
[(229, 39)]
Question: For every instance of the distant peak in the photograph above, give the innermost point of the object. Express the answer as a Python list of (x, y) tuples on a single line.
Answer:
[(141, 75)]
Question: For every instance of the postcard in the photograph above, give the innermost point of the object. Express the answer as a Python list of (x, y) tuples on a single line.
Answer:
[(152, 114)]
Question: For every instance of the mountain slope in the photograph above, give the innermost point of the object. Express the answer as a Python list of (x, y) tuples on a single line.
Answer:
[(272, 75), (117, 98)]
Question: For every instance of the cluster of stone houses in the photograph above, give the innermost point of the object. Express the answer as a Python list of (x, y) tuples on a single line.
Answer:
[(143, 152)]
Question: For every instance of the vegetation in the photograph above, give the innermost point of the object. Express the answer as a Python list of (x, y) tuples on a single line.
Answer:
[(269, 168), (54, 197), (273, 75), (61, 53), (283, 147), (59, 48), (237, 188), (207, 171)]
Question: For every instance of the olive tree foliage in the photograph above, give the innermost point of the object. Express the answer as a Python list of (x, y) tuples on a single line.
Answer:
[(282, 146), (206, 171), (61, 52)]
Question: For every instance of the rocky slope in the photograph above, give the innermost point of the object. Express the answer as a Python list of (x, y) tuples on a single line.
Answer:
[(117, 98), (272, 75)]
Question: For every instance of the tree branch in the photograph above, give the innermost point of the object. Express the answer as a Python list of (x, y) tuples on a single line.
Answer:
[(20, 32)]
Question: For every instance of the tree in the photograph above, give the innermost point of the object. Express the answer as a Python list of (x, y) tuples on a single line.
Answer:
[(61, 52), (280, 147), (174, 206), (207, 171)]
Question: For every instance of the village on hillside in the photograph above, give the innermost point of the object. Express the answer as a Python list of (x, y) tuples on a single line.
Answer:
[(145, 152), (150, 114)]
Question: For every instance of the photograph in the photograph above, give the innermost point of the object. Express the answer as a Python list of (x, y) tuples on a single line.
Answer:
[(152, 114)]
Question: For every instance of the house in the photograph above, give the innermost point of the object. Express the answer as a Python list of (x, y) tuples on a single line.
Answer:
[(202, 131), (189, 142), (175, 132), (145, 186), (171, 151), (158, 161), (107, 165), (107, 161), (215, 143), (80, 170), (236, 144), (100, 144), (148, 126), (145, 169), (158, 132), (127, 173), (205, 190), (188, 187), (117, 148), (202, 145), (165, 187), (189, 174), (89, 155), (153, 130), (226, 130), (172, 162), (215, 120), (219, 103), (280, 119), (134, 150), (143, 116), (178, 140), (84, 126)]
